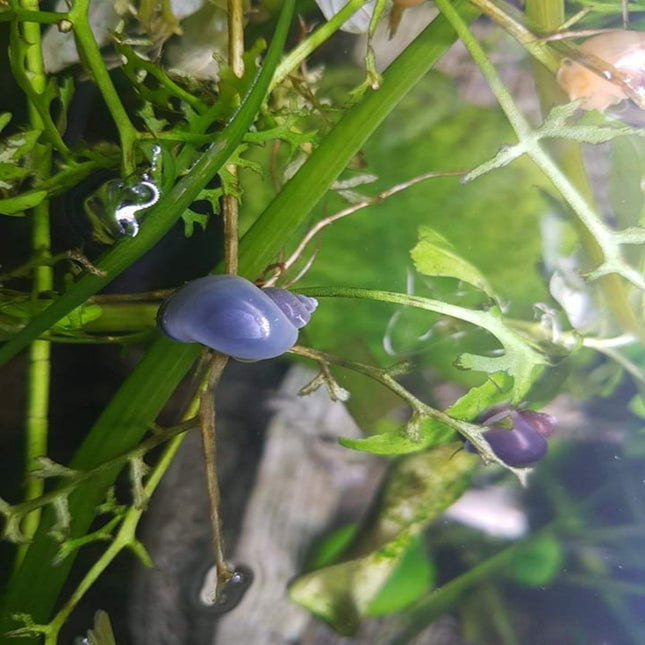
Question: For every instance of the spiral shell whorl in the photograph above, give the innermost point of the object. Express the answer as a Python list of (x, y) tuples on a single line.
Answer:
[(296, 307)]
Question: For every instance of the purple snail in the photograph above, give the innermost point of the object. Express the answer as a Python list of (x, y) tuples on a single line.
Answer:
[(523, 441), (231, 315)]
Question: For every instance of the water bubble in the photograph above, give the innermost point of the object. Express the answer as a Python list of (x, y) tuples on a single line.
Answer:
[(231, 593), (114, 209)]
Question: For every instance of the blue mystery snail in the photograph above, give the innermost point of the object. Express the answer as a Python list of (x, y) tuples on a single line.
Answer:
[(231, 315), (517, 437)]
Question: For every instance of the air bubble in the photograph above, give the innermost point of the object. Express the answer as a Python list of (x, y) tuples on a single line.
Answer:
[(231, 593), (114, 210)]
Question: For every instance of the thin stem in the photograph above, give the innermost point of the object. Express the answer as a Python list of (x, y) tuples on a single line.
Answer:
[(236, 37), (510, 21), (230, 205), (39, 369), (368, 201), (77, 479), (612, 260), (207, 424), (125, 538), (298, 55), (33, 16), (548, 16), (90, 53), (471, 432)]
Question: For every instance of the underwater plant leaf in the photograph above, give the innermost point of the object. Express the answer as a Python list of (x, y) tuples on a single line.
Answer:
[(412, 578), (151, 81), (127, 417), (538, 563), (192, 218), (166, 211), (428, 482), (332, 546), (434, 255), (428, 432), (521, 358), (16, 205)]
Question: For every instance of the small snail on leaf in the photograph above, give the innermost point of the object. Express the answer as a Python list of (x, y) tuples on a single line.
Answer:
[(517, 437), (624, 51), (231, 315)]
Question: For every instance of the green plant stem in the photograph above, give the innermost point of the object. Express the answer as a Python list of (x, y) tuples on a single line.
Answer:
[(139, 400), (16, 511), (510, 20), (91, 56), (39, 368), (125, 538), (308, 186), (33, 16), (299, 54), (469, 431), (548, 15), (169, 208), (612, 260), (126, 535)]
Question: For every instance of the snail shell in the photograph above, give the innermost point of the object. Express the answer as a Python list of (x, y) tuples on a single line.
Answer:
[(231, 315), (524, 443), (624, 50)]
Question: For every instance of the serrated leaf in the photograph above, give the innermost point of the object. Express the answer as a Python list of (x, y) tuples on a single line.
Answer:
[(153, 123), (18, 145), (49, 468), (433, 433), (400, 442), (60, 529), (16, 205), (190, 218), (521, 359), (434, 255)]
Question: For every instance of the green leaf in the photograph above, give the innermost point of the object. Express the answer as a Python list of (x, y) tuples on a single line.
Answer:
[(333, 545), (433, 433), (191, 217), (5, 118), (131, 412), (16, 205), (411, 579), (165, 213), (429, 432), (434, 255), (428, 482), (16, 146), (521, 359), (539, 563)]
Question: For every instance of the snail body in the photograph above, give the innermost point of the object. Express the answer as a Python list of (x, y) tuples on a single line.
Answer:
[(524, 442), (624, 50), (231, 315)]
